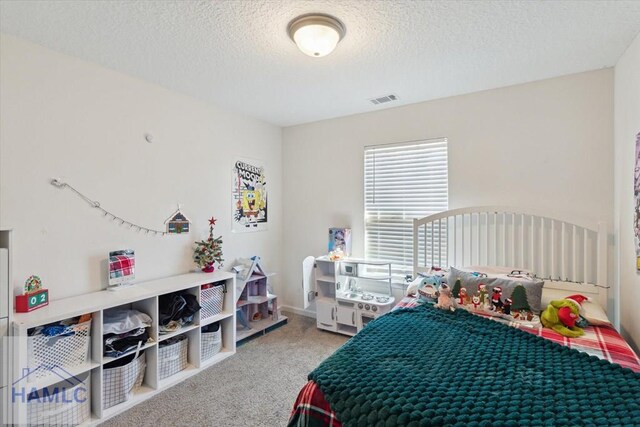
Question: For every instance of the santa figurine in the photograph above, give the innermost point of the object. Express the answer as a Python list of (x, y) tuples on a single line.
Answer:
[(496, 301)]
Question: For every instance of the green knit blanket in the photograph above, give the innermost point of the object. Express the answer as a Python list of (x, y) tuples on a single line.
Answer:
[(426, 367)]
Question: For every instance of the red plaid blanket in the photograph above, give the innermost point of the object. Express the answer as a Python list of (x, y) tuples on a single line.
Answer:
[(311, 408)]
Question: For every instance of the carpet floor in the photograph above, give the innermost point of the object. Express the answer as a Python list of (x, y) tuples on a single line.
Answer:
[(255, 387)]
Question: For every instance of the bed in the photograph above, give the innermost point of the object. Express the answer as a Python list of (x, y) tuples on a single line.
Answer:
[(421, 366)]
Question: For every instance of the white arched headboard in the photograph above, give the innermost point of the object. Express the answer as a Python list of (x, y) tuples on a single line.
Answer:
[(551, 247)]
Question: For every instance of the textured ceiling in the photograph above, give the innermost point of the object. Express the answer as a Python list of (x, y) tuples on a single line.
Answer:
[(237, 55)]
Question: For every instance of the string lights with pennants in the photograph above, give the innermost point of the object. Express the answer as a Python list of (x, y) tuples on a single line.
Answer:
[(95, 204)]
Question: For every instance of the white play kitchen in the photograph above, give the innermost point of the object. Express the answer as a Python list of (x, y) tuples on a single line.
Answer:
[(349, 293)]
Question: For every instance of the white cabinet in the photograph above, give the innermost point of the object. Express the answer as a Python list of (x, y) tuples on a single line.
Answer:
[(144, 297), (326, 315), (347, 323)]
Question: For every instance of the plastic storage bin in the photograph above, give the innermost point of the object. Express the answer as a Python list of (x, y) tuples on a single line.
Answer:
[(65, 403), (172, 356), (211, 340), (69, 348), (121, 377), (211, 299)]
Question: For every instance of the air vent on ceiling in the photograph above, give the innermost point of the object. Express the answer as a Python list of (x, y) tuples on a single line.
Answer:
[(383, 99)]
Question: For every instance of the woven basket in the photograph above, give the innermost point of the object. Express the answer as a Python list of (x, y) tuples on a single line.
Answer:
[(211, 300), (118, 383), (65, 403), (172, 358), (46, 353), (211, 343)]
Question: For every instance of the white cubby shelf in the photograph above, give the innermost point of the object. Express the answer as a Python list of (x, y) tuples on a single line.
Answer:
[(143, 297)]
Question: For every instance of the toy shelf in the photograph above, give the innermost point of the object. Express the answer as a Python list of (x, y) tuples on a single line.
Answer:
[(145, 298)]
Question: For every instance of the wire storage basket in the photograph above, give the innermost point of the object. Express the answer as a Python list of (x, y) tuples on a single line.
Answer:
[(67, 403), (69, 347), (211, 340), (172, 356), (212, 298), (121, 377)]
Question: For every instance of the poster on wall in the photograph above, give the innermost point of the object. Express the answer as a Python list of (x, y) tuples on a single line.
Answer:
[(249, 196), (636, 193)]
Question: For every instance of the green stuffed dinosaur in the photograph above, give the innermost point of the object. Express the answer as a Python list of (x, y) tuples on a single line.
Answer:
[(562, 315)]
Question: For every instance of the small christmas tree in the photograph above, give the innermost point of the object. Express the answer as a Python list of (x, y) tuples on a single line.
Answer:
[(208, 252), (519, 298), (456, 289)]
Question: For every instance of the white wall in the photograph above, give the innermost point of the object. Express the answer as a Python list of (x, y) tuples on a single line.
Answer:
[(63, 117), (627, 125), (545, 144)]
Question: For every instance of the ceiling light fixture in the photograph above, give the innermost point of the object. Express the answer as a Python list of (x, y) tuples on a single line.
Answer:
[(316, 34)]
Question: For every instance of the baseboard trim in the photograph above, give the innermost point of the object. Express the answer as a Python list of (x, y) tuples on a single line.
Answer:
[(300, 311)]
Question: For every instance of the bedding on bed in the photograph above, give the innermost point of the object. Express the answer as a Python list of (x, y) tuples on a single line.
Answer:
[(433, 367)]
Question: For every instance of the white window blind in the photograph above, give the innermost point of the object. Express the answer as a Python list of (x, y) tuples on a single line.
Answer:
[(402, 182)]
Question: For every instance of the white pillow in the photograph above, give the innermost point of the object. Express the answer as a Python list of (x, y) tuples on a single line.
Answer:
[(591, 310)]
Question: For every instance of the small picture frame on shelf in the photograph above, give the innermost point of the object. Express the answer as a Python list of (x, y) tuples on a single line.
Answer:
[(122, 268), (340, 239)]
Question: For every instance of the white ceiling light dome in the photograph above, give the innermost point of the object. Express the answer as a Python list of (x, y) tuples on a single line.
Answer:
[(316, 34)]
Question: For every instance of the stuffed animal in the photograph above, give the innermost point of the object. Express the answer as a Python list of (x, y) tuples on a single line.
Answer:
[(562, 315), (428, 292), (420, 282), (445, 300)]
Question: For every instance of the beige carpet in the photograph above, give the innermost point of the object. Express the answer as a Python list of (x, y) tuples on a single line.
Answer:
[(256, 387)]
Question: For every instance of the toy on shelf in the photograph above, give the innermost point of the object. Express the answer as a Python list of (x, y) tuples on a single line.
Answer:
[(336, 255), (34, 296), (208, 252)]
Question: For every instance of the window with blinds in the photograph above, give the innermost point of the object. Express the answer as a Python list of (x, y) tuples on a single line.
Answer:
[(402, 182)]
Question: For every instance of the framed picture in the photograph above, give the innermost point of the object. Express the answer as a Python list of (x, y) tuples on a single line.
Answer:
[(122, 267)]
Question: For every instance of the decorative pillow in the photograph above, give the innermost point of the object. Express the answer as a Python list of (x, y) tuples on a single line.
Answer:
[(524, 293), (591, 310)]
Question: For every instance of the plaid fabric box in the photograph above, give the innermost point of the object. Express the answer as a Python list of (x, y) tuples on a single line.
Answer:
[(54, 407), (173, 358), (119, 382)]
